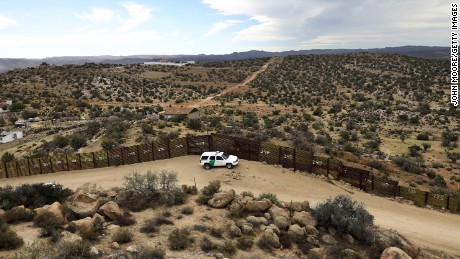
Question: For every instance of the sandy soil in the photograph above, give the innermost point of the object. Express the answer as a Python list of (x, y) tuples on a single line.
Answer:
[(429, 228)]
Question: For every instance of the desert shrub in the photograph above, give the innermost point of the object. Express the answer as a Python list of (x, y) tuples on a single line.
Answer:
[(18, 214), (245, 242), (376, 164), (178, 197), (228, 247), (270, 196), (141, 190), (265, 244), (194, 124), (162, 220), (347, 216), (189, 189), (187, 210), (353, 149), (440, 181), (179, 239), (423, 136), (32, 195), (125, 220), (75, 249), (431, 174), (200, 227), (207, 245), (203, 199), (48, 221), (148, 252), (149, 226), (167, 181), (216, 232), (89, 234), (122, 235), (247, 193), (212, 188), (408, 164), (9, 239), (285, 239)]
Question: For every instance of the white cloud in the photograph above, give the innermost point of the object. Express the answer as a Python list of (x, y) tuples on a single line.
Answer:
[(220, 26), (338, 23), (97, 15), (6, 22), (138, 14)]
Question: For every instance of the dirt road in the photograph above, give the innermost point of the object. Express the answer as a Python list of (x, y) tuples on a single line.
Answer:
[(427, 227)]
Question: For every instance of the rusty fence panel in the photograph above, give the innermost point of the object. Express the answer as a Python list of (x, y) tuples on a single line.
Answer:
[(415, 195), (304, 160), (354, 176), (23, 167), (115, 157), (100, 159), (269, 153), (454, 204), (46, 167), (382, 186), (437, 200), (160, 150), (129, 155), (2, 171), (87, 161), (146, 152), (196, 145), (35, 166), (178, 147), (11, 169), (59, 163), (320, 165), (334, 167), (224, 143), (287, 157), (74, 162)]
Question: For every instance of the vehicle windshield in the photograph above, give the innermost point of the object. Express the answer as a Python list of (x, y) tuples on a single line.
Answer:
[(225, 156)]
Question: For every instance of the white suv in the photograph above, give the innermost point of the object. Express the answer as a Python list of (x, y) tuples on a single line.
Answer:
[(216, 158)]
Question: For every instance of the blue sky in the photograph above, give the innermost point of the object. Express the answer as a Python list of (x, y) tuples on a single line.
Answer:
[(46, 28)]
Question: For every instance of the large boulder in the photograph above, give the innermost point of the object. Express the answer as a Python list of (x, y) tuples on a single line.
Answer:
[(257, 221), (296, 232), (67, 236), (311, 230), (222, 199), (303, 218), (328, 239), (2, 212), (306, 206), (111, 210), (276, 211), (55, 209), (83, 225), (270, 238), (319, 253), (394, 253), (281, 222), (349, 254), (293, 206), (235, 231), (389, 238), (84, 205), (258, 206)]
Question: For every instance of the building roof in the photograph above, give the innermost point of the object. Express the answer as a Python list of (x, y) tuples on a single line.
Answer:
[(179, 110), (3, 105)]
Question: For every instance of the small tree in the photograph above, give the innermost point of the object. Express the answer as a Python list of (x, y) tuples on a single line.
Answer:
[(426, 146), (453, 156), (402, 137), (414, 149), (7, 157), (194, 124), (77, 141)]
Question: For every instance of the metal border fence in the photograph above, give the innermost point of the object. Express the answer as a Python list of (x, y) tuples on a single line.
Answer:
[(287, 157)]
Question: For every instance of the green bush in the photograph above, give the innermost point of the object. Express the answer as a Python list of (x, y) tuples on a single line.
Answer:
[(18, 214), (212, 188), (228, 247), (346, 216), (203, 199), (179, 239), (9, 239), (187, 210), (192, 190), (149, 226), (423, 136), (270, 196), (123, 235), (216, 232), (32, 195), (148, 252), (440, 181), (245, 242), (194, 124), (207, 245)]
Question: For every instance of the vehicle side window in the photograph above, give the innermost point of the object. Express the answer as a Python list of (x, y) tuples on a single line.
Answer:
[(212, 158), (219, 158), (204, 158)]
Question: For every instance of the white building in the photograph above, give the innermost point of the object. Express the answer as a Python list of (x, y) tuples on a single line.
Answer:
[(6, 137)]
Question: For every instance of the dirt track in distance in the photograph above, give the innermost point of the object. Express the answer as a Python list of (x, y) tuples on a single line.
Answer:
[(429, 228)]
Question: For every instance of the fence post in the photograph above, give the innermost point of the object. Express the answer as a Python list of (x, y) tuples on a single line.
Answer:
[(361, 180), (373, 179), (399, 190), (40, 165), (426, 198), (6, 170), (249, 150), (169, 148), (51, 165), (293, 159), (79, 158), (153, 152), (67, 162), (94, 160), (108, 157), (28, 166), (279, 155), (17, 168), (209, 142), (448, 200), (138, 154), (187, 144), (122, 156)]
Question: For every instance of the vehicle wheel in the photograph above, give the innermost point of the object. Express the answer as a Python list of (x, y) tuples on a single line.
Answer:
[(207, 166), (229, 166)]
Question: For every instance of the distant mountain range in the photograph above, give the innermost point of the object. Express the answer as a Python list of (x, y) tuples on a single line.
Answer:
[(414, 51)]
